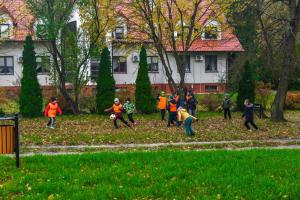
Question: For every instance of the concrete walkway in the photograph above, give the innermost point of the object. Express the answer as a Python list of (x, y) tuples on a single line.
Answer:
[(154, 145), (42, 153)]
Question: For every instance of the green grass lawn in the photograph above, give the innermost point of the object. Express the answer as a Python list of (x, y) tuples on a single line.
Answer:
[(255, 174), (94, 129)]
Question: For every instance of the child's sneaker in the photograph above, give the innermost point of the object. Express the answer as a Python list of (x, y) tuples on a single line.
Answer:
[(52, 127)]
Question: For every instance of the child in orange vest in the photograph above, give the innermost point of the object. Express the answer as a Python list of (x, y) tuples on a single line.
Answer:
[(117, 109), (162, 104), (51, 111), (172, 108)]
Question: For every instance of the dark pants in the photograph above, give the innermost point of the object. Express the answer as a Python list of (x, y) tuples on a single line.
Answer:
[(247, 122), (192, 111), (121, 118), (130, 117), (227, 113), (162, 113), (51, 121), (172, 118)]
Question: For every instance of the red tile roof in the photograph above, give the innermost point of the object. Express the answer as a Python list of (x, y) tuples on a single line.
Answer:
[(21, 18), (228, 43)]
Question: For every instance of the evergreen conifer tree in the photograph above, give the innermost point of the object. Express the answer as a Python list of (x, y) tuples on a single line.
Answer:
[(105, 83), (31, 100), (145, 102), (246, 86)]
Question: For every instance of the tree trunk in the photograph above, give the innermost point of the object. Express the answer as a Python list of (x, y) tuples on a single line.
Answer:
[(288, 69)]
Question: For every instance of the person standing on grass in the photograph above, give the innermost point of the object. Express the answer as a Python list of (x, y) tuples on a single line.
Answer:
[(184, 116), (172, 108), (117, 109), (191, 103), (51, 111), (226, 106), (162, 104), (249, 115), (129, 108)]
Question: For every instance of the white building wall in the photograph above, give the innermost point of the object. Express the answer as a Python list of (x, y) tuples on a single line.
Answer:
[(15, 49), (196, 76)]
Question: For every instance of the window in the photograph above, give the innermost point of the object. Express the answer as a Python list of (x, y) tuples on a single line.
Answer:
[(95, 64), (212, 31), (4, 30), (211, 88), (152, 64), (211, 63), (188, 63), (6, 65), (119, 33), (119, 64), (43, 64)]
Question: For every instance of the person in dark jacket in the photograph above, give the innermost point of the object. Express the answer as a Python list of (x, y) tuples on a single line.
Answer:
[(249, 115), (191, 102), (226, 107)]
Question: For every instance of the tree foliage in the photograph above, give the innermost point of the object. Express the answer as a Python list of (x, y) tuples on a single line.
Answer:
[(145, 102), (31, 100), (246, 86), (69, 47), (173, 27), (105, 83)]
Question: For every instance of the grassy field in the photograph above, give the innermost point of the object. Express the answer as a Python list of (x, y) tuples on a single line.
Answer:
[(94, 129), (255, 174)]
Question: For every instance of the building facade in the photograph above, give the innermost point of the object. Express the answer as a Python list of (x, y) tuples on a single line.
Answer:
[(206, 70)]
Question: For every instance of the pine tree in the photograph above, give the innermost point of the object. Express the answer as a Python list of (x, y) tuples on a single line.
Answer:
[(246, 86), (105, 83), (31, 100), (145, 102)]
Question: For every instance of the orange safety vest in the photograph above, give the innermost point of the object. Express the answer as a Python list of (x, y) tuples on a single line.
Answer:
[(117, 108), (162, 104), (173, 107), (176, 98), (52, 110)]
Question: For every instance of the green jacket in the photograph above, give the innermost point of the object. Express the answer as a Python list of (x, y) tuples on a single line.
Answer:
[(129, 107)]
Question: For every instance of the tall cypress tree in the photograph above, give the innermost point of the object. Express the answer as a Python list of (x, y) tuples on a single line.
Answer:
[(31, 100), (246, 86), (105, 83), (145, 102)]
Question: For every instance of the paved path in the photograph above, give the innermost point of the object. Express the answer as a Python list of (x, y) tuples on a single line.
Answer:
[(153, 145), (227, 149)]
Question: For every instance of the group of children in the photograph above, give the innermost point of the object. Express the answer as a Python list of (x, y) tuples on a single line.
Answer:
[(180, 111)]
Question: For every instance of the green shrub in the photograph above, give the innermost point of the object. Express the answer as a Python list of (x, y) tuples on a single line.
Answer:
[(88, 104), (145, 102), (264, 95), (105, 83), (211, 102), (31, 100)]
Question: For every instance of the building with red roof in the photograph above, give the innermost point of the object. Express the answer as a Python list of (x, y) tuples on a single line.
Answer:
[(207, 59)]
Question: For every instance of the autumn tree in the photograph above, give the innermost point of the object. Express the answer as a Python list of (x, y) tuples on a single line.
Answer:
[(31, 100), (68, 45), (279, 27), (173, 26), (145, 102)]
